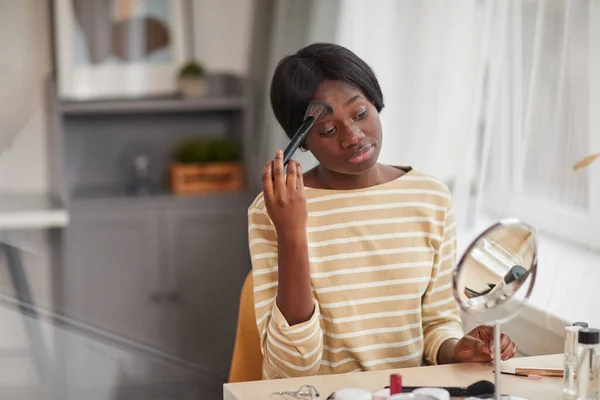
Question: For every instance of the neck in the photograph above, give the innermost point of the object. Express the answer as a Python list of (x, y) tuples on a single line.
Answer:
[(336, 181)]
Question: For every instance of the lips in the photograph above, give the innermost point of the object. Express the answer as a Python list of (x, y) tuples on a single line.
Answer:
[(362, 154)]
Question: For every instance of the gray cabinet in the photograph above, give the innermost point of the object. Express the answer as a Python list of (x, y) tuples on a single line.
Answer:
[(164, 273), (207, 266), (112, 273), (161, 272)]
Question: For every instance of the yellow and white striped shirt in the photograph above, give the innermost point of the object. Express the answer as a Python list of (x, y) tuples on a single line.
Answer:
[(381, 261)]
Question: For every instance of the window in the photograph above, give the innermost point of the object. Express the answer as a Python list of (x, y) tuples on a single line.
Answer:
[(543, 118)]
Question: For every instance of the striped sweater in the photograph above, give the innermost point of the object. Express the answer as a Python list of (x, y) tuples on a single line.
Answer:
[(381, 261)]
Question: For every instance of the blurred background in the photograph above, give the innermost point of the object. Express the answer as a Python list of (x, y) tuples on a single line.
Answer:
[(133, 133)]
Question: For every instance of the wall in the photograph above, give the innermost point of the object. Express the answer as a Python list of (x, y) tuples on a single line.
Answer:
[(222, 31), (222, 34), (25, 61)]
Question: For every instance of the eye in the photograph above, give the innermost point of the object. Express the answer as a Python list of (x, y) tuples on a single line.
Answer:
[(328, 132), (361, 115)]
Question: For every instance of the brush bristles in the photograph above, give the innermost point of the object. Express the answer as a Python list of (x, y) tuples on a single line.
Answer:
[(317, 109), (586, 161), (481, 388)]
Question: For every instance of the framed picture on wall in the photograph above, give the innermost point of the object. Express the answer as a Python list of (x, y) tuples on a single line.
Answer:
[(118, 48)]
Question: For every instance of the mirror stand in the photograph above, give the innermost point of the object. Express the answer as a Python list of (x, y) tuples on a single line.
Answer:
[(497, 359), (496, 265), (497, 362)]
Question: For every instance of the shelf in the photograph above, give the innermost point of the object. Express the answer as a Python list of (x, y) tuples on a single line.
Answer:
[(31, 211), (120, 198), (161, 105)]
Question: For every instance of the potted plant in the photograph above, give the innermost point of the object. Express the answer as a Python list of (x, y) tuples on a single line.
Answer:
[(206, 165), (192, 80)]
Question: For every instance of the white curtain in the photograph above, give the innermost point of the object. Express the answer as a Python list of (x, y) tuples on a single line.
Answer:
[(427, 56), (543, 122), (294, 24), (495, 98), (500, 99)]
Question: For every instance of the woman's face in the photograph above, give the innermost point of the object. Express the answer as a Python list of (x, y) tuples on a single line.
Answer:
[(347, 141)]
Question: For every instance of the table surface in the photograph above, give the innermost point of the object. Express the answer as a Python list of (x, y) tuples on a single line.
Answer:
[(441, 375)]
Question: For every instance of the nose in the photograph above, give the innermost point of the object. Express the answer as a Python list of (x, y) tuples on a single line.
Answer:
[(352, 135)]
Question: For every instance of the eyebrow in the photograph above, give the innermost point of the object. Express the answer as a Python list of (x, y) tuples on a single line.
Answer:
[(329, 110), (352, 100)]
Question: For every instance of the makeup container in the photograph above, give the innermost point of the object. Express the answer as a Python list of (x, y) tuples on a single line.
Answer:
[(411, 396), (437, 393), (570, 359), (395, 384), (587, 364)]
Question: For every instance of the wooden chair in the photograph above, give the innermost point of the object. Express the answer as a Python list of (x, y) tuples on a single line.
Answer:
[(246, 363)]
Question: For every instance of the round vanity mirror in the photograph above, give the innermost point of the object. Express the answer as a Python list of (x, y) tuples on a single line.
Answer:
[(495, 276)]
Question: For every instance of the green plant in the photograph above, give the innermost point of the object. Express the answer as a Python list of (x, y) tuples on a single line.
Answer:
[(192, 69), (197, 150)]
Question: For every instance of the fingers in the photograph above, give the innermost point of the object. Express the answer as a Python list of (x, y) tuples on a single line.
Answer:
[(299, 179), (278, 175), (504, 341), (267, 180), (483, 349), (276, 179), (509, 352), (292, 174), (508, 348), (471, 349), (483, 332)]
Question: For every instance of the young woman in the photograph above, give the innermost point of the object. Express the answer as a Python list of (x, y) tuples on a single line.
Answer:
[(352, 260)]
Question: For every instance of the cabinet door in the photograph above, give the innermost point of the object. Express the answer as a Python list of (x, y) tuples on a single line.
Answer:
[(208, 254), (111, 273)]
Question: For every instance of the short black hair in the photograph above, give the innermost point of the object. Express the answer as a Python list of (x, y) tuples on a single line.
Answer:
[(298, 76)]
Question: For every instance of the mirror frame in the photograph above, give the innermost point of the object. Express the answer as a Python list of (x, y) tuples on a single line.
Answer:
[(531, 274)]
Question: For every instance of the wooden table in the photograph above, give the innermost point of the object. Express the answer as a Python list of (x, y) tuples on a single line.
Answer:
[(443, 375)]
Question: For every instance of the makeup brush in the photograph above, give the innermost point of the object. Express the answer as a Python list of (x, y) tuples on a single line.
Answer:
[(314, 110), (479, 388), (586, 161)]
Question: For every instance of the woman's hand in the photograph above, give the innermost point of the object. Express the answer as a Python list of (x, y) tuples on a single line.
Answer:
[(478, 346), (284, 195), (286, 205)]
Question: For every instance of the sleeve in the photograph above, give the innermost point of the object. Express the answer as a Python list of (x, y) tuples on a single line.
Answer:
[(288, 351), (440, 311)]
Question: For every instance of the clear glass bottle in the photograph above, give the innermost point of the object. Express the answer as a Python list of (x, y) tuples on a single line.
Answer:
[(141, 184), (570, 360), (587, 364)]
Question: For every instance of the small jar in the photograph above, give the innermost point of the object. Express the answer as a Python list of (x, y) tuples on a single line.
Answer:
[(587, 364), (570, 359)]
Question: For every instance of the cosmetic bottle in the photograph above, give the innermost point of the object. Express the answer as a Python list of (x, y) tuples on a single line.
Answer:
[(141, 184), (587, 364), (570, 359)]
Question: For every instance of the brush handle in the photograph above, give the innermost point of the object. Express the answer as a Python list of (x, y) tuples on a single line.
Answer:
[(554, 372), (297, 139)]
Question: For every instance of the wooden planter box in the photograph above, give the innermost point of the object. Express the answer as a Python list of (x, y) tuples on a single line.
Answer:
[(206, 177)]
